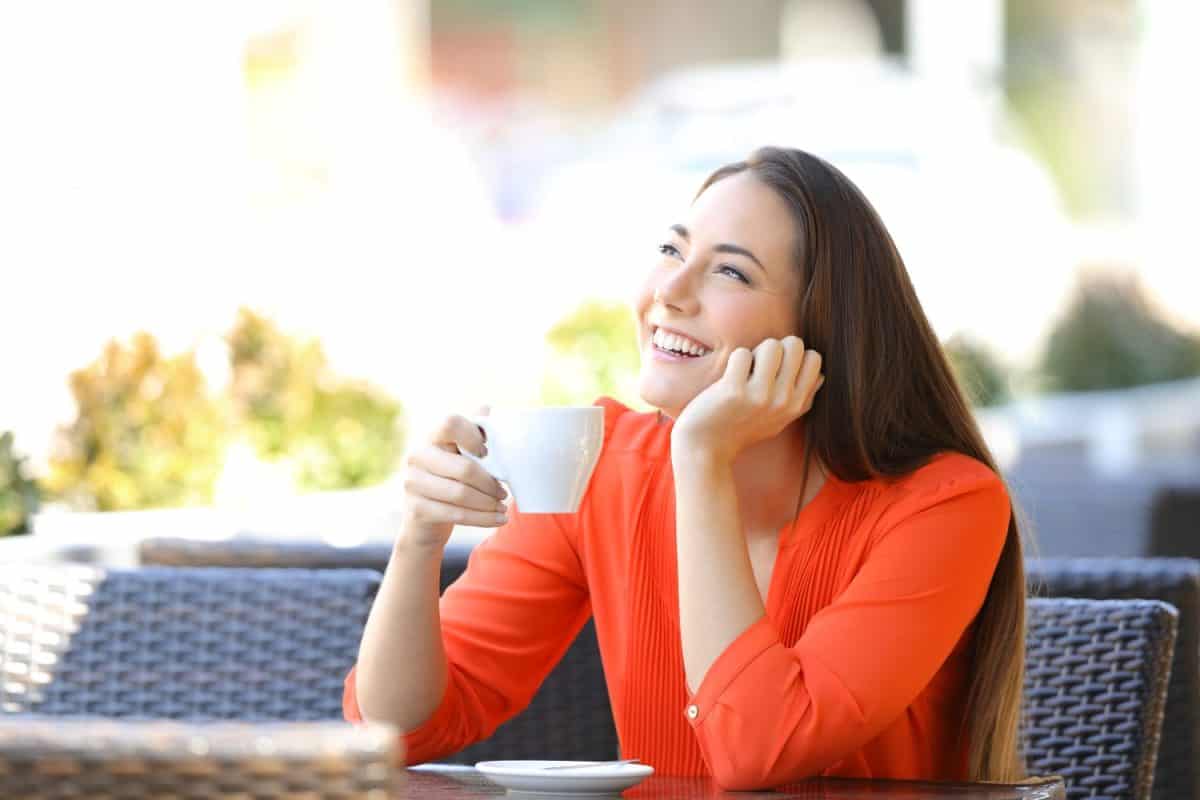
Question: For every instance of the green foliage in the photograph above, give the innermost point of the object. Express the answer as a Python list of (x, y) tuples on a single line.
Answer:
[(150, 433), (354, 438), (984, 379), (273, 383), (1110, 338), (593, 352), (147, 433), (335, 433), (19, 493)]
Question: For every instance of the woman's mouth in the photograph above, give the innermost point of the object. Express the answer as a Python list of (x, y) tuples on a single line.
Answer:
[(676, 347)]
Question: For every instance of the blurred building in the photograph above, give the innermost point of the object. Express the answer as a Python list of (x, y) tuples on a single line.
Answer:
[(590, 54)]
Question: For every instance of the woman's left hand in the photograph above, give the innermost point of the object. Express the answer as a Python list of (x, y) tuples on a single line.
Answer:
[(759, 395)]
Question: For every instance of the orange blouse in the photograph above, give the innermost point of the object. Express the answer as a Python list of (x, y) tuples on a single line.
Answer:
[(859, 667)]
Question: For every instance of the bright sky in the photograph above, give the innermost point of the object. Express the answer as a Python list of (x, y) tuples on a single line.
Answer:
[(132, 200)]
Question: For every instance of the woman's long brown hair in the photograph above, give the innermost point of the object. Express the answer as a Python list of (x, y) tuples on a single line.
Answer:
[(890, 403)]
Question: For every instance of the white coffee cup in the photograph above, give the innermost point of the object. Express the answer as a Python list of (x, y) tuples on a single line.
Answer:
[(545, 455)]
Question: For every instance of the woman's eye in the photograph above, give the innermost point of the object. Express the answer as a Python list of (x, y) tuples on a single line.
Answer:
[(671, 251), (737, 274)]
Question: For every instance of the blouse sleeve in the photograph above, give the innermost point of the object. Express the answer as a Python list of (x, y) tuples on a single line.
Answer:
[(766, 714), (506, 622)]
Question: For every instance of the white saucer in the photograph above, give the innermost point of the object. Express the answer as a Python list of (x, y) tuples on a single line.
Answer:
[(532, 777)]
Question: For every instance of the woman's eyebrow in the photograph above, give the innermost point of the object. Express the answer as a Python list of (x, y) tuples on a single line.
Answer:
[(723, 247)]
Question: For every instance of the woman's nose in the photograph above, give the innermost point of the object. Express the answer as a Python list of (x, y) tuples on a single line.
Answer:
[(675, 288)]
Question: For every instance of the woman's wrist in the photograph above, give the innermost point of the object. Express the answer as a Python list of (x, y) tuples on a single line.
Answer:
[(687, 451), (417, 542)]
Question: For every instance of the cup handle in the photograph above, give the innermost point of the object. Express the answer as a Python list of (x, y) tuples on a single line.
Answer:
[(490, 462)]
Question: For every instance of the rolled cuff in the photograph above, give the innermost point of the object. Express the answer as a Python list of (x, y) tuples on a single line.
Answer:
[(733, 661), (422, 743), (427, 741)]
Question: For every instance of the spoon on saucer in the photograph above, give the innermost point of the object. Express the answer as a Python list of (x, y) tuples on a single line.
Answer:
[(588, 764)]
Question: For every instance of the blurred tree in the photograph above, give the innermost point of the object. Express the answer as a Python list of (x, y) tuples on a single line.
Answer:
[(273, 383), (286, 400), (982, 376), (593, 353), (1111, 337), (20, 495), (147, 433)]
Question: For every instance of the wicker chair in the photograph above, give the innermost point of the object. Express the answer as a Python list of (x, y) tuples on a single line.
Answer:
[(1172, 580), (570, 716), (186, 644), (1175, 522), (1096, 675), (72, 758)]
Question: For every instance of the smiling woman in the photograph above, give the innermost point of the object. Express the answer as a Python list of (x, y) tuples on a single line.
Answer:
[(804, 564)]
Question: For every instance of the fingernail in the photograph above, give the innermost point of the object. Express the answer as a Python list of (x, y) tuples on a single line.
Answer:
[(483, 451)]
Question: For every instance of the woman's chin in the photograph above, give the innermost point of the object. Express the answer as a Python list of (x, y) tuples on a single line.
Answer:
[(662, 398)]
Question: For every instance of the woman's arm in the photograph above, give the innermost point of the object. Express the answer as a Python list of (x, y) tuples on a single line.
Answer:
[(718, 596), (457, 668), (403, 628), (401, 672), (502, 626), (758, 396)]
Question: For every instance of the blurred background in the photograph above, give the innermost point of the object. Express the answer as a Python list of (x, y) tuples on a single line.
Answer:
[(250, 250)]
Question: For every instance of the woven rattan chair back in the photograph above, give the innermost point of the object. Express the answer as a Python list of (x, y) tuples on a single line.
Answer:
[(172, 643), (1172, 580), (1096, 675), (570, 716), (64, 758)]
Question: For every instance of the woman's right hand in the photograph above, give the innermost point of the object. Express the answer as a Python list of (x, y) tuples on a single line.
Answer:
[(444, 488)]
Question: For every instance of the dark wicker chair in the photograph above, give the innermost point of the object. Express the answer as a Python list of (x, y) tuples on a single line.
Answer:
[(1096, 675), (62, 758), (1172, 580), (1175, 522), (570, 716), (186, 644)]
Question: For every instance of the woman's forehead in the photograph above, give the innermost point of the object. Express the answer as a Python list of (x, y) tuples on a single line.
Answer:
[(743, 210)]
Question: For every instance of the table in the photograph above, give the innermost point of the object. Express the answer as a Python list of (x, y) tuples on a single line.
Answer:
[(453, 782), (72, 758)]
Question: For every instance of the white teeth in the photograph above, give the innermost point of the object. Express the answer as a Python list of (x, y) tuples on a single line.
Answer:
[(669, 341)]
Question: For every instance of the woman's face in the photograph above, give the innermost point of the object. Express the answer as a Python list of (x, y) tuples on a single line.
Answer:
[(725, 278)]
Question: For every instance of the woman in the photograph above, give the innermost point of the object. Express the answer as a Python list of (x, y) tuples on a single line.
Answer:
[(805, 564)]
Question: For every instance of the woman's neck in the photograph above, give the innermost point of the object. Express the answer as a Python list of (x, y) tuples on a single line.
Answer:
[(768, 478)]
